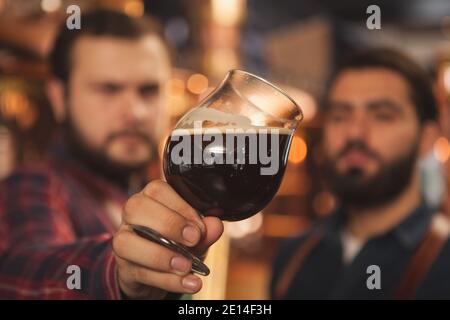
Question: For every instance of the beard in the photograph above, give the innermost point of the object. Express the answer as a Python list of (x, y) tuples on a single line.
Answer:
[(353, 189), (97, 159)]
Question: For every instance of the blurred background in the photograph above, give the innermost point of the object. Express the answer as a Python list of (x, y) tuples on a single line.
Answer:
[(293, 43)]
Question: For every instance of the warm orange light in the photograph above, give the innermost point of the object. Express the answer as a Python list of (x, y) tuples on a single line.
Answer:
[(298, 150), (13, 103), (50, 5), (441, 149), (134, 8), (227, 12), (197, 83)]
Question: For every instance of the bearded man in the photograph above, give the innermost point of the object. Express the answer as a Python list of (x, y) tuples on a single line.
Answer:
[(383, 242)]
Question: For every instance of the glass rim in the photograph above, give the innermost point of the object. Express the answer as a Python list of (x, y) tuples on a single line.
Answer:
[(283, 92)]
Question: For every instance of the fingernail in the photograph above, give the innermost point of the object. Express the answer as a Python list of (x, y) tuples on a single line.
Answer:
[(192, 283), (191, 234), (180, 264)]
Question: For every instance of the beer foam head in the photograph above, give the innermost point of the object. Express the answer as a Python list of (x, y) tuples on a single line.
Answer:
[(219, 118), (209, 120), (232, 130)]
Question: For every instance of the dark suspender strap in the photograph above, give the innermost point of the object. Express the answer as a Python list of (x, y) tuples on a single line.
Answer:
[(424, 257), (294, 264)]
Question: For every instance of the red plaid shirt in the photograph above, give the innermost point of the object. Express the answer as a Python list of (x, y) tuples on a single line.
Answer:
[(52, 216)]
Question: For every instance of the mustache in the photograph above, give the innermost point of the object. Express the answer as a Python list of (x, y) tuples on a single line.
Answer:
[(360, 146), (129, 132)]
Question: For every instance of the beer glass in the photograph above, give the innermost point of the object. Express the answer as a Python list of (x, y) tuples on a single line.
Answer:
[(226, 157)]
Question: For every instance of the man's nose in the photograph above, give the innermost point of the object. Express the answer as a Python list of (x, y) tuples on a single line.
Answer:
[(358, 127), (134, 108)]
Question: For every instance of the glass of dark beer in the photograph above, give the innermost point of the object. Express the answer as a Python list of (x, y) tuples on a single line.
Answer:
[(226, 157)]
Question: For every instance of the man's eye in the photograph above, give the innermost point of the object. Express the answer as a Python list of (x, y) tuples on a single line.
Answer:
[(109, 88), (384, 116), (147, 91), (337, 116)]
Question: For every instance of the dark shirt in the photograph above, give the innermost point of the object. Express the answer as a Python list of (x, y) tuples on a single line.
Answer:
[(53, 215), (323, 274)]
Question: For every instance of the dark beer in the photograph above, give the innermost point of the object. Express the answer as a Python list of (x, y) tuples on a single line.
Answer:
[(236, 187)]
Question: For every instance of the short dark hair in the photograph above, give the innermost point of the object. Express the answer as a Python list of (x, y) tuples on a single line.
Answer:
[(100, 22), (419, 82)]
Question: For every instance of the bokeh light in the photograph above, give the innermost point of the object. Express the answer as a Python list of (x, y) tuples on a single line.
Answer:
[(134, 8), (50, 5), (441, 149), (298, 151), (197, 83)]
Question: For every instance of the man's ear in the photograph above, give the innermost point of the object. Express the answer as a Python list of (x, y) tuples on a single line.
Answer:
[(56, 95), (431, 131)]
